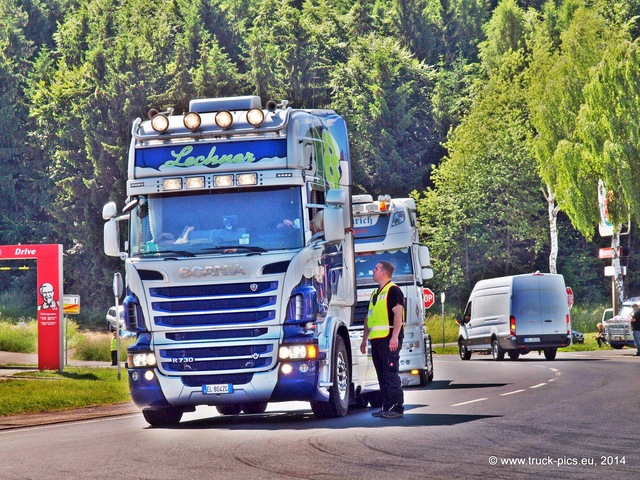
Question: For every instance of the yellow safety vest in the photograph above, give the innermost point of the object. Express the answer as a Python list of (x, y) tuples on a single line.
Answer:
[(378, 319)]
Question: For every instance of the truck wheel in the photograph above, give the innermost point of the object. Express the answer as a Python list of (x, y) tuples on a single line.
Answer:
[(465, 353), (338, 403), (513, 355), (254, 408), (426, 375), (162, 417), (550, 353), (496, 350), (231, 409)]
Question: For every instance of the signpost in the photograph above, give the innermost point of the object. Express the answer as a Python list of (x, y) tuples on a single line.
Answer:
[(70, 306)]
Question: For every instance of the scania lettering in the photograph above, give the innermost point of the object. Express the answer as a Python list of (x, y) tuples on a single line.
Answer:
[(235, 301), (387, 230)]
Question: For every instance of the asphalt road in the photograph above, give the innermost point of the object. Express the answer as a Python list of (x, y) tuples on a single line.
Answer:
[(575, 417)]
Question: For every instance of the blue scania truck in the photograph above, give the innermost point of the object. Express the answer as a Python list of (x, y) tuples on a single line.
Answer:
[(235, 300)]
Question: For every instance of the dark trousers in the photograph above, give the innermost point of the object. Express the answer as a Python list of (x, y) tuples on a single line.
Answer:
[(114, 357), (387, 364)]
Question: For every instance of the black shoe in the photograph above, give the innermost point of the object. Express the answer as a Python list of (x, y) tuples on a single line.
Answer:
[(378, 413), (393, 414)]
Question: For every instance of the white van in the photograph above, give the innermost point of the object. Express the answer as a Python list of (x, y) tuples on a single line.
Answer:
[(516, 315)]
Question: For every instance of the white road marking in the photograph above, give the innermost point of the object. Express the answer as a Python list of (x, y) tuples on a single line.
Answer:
[(470, 401), (511, 393), (539, 385)]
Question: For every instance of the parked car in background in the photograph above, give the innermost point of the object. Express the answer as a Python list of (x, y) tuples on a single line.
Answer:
[(617, 329), (577, 337), (111, 318)]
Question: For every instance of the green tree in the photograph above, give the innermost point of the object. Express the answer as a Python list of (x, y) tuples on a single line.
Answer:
[(385, 94), (484, 217)]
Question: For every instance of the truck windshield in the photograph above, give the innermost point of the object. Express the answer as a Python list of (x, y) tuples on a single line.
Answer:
[(256, 220), (401, 259)]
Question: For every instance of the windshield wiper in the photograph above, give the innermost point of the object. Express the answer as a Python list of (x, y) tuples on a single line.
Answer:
[(182, 253), (233, 249)]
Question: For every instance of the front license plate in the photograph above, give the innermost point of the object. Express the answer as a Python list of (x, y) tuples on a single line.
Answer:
[(217, 389), (532, 340)]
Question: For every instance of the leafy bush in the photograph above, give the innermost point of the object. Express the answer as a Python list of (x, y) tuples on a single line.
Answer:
[(19, 337), (98, 348)]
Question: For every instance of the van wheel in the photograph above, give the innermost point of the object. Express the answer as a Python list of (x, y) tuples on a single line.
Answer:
[(550, 353), (465, 353), (514, 355), (496, 350)]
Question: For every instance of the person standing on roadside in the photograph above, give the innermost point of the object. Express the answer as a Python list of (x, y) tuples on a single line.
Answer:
[(385, 329), (114, 350), (635, 327)]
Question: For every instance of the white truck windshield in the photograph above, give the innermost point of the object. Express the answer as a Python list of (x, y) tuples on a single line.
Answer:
[(205, 223)]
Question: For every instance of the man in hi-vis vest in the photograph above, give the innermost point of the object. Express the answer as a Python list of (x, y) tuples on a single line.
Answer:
[(384, 328)]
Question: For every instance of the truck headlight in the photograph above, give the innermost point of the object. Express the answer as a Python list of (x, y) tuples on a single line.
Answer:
[(142, 360), (298, 352)]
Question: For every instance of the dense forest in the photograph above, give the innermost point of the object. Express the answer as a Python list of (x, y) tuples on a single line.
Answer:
[(504, 119)]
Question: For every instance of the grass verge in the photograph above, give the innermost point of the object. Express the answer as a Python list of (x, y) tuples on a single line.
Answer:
[(75, 387)]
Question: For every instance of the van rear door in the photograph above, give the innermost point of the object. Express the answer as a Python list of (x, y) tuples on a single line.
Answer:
[(540, 305)]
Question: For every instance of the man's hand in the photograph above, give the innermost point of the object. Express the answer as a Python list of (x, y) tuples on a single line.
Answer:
[(393, 343), (363, 347)]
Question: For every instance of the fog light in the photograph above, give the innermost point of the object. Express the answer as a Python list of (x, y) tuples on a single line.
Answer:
[(134, 376), (149, 375), (287, 369), (247, 179), (304, 368), (415, 372)]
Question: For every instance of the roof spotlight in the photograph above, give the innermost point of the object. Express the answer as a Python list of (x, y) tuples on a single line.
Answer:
[(160, 123), (224, 119), (255, 117), (192, 121)]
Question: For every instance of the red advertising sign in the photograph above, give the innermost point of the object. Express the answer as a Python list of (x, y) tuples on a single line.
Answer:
[(570, 297), (49, 284), (429, 298)]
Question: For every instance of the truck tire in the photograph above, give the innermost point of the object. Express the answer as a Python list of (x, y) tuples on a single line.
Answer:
[(465, 353), (496, 350), (338, 403), (162, 417), (426, 375), (254, 408), (550, 353), (231, 409)]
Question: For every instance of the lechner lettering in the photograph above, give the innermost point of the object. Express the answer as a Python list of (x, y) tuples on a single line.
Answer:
[(184, 159)]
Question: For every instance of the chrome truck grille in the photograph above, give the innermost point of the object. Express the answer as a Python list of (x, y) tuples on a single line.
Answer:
[(216, 333)]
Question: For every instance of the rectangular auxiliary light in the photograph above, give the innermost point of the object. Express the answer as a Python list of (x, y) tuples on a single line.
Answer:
[(172, 184), (194, 182), (247, 179), (223, 180)]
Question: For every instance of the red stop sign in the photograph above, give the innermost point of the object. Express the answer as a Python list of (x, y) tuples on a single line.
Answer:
[(429, 298), (570, 297)]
